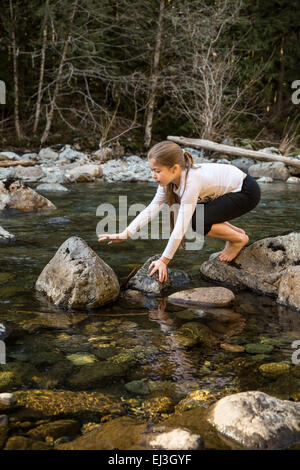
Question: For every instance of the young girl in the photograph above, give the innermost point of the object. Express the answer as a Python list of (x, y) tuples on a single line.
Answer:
[(225, 191)]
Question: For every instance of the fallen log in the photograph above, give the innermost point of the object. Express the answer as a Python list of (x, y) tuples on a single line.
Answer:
[(236, 151), (8, 163)]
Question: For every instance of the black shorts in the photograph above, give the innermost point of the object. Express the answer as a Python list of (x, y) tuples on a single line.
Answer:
[(230, 205)]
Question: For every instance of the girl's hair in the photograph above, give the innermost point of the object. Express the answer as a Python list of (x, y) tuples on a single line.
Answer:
[(168, 154)]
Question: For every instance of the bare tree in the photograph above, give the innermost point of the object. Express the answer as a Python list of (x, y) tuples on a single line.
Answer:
[(154, 76), (59, 74), (42, 68), (15, 70)]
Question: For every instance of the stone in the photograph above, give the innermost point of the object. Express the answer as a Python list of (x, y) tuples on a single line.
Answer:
[(289, 288), (194, 399), (51, 187), (256, 420), (242, 163), (293, 179), (259, 266), (125, 433), (274, 369), (48, 154), (199, 332), (99, 373), (275, 170), (142, 281), (138, 387), (9, 156), (84, 173), (5, 236), (232, 347), (77, 277), (259, 348), (265, 179), (81, 359), (25, 443), (67, 404), (29, 174), (7, 399), (56, 429), (71, 155), (19, 197), (215, 296)]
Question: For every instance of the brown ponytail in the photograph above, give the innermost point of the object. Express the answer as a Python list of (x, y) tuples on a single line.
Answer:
[(168, 154)]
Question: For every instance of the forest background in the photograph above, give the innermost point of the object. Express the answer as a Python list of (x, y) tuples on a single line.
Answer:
[(97, 72)]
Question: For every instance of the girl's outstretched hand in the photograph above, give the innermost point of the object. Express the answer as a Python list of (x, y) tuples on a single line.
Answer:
[(113, 237), (162, 270)]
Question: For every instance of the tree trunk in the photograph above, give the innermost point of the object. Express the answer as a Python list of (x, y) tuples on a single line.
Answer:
[(59, 75), (42, 69), (237, 151), (15, 71), (154, 77)]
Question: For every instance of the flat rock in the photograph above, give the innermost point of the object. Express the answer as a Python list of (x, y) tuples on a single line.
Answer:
[(51, 187), (84, 173), (215, 296), (256, 420), (259, 266), (127, 434), (77, 277)]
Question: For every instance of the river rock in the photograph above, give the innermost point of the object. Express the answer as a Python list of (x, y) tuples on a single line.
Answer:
[(84, 173), (293, 180), (19, 197), (9, 156), (47, 154), (289, 288), (265, 179), (215, 296), (67, 404), (29, 174), (67, 153), (242, 163), (142, 281), (6, 237), (51, 187), (56, 429), (275, 170), (259, 266), (273, 370), (125, 433), (7, 399), (77, 277), (257, 421)]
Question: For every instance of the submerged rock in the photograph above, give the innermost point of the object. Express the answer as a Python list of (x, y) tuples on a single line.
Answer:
[(142, 281), (20, 197), (6, 237), (261, 267), (257, 421), (127, 434), (77, 277)]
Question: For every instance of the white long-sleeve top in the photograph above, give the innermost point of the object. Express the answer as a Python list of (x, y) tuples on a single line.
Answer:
[(204, 182)]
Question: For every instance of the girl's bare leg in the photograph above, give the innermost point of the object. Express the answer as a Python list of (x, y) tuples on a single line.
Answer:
[(237, 240), (240, 230)]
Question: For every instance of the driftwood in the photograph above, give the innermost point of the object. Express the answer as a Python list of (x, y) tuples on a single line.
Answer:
[(8, 163), (237, 151)]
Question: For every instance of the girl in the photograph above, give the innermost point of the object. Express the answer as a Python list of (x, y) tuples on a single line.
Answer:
[(225, 191)]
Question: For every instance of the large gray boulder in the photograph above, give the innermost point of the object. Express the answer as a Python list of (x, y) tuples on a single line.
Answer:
[(17, 196), (256, 420), (275, 170), (77, 277), (259, 266), (142, 281)]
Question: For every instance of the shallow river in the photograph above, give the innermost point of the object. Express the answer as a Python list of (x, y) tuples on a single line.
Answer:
[(138, 340)]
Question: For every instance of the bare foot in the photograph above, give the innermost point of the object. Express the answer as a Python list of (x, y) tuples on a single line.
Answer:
[(237, 229), (232, 249)]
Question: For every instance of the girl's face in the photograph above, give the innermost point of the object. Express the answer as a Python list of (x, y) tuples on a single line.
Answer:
[(164, 175)]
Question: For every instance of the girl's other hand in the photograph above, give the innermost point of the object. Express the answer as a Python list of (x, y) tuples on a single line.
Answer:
[(161, 267), (113, 237)]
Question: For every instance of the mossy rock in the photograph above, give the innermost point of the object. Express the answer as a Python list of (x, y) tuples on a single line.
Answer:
[(258, 348), (201, 332), (97, 374), (195, 399), (137, 387), (274, 369)]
